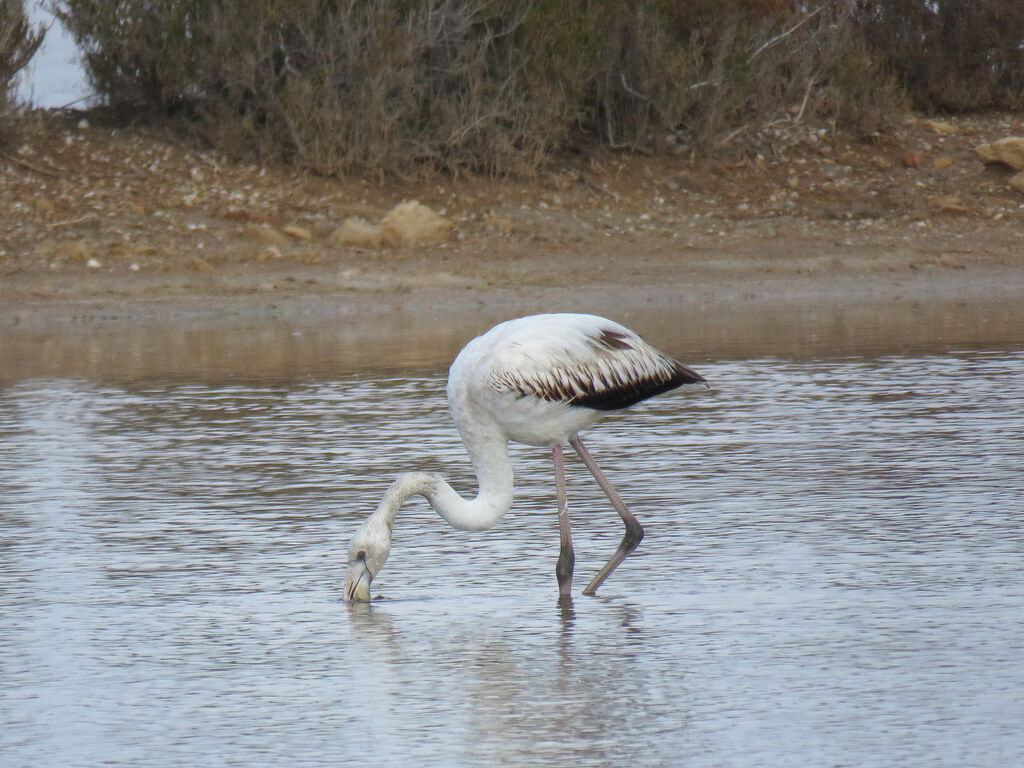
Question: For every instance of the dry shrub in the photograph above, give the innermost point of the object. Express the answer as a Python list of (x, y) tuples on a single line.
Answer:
[(950, 56), (415, 86), (862, 94), (458, 85), (18, 43), (379, 85)]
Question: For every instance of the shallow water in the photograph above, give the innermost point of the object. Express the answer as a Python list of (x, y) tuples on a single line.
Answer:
[(833, 574)]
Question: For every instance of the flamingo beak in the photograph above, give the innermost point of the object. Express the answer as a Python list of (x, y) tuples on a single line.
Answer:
[(357, 582)]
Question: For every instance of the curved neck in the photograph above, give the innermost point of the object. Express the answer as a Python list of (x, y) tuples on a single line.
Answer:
[(494, 477)]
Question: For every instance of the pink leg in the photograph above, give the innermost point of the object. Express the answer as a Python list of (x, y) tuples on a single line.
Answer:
[(634, 531), (566, 556)]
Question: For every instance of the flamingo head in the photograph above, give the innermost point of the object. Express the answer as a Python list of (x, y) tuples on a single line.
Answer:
[(367, 553)]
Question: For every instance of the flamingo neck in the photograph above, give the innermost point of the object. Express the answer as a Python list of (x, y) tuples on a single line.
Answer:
[(494, 476)]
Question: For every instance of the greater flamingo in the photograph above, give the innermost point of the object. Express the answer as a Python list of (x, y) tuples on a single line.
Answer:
[(537, 380)]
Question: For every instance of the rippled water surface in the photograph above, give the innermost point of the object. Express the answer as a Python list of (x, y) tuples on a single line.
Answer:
[(833, 574)]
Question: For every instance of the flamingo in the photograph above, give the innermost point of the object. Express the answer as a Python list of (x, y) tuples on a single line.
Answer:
[(537, 380)]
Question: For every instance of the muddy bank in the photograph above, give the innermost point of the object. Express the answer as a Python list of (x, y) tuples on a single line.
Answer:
[(145, 254), (330, 334)]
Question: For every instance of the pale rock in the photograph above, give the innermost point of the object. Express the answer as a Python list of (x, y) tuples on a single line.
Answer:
[(1017, 182), (266, 235), (358, 233), (413, 223), (93, 264), (269, 253), (1009, 151), (299, 233), (941, 127)]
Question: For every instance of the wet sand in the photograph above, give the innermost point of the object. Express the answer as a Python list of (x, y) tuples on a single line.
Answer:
[(332, 333)]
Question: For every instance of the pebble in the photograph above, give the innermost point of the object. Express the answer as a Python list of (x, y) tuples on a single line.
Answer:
[(299, 233)]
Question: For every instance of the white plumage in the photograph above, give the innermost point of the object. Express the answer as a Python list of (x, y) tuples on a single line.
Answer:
[(538, 380)]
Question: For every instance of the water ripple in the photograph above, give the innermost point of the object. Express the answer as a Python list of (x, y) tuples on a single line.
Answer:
[(832, 574)]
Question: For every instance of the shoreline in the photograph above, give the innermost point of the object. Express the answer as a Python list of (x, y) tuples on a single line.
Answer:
[(686, 289), (121, 243), (302, 336)]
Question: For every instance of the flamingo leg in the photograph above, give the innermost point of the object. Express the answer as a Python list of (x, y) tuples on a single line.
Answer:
[(566, 556), (634, 531)]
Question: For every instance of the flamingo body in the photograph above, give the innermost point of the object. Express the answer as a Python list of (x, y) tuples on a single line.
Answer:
[(537, 380), (544, 378)]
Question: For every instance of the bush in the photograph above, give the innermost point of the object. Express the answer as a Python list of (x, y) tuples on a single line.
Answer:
[(950, 56), (406, 86), (18, 43), (416, 86)]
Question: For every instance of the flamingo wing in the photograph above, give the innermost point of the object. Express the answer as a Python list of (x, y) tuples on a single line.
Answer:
[(583, 360)]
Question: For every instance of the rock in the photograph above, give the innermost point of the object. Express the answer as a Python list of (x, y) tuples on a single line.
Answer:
[(269, 253), (949, 204), (299, 233), (414, 224), (913, 159), (941, 127), (323, 229), (266, 235), (881, 163), (357, 232), (1009, 151), (1017, 182), (93, 264), (943, 162)]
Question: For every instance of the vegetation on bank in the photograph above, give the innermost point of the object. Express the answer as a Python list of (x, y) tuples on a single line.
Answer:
[(18, 43), (411, 87)]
